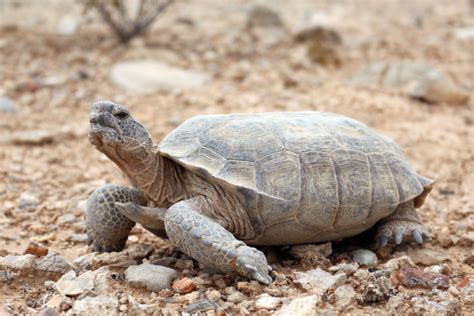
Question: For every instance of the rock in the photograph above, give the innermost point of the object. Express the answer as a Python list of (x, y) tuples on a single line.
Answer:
[(345, 295), (398, 263), (201, 306), (184, 286), (364, 257), (423, 306), (301, 306), (323, 44), (411, 277), (464, 33), (98, 305), (36, 249), (28, 201), (418, 80), (139, 251), (48, 311), (184, 264), (427, 256), (57, 302), (85, 261), (311, 251), (66, 219), (34, 137), (77, 238), (147, 76), (393, 304), (319, 281), (136, 308), (261, 16), (153, 277), (236, 297), (109, 258), (268, 302), (68, 25), (70, 285), (347, 268), (214, 295), (53, 263), (25, 262), (7, 105)]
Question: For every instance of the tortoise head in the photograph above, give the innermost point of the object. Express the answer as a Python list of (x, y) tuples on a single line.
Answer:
[(114, 132)]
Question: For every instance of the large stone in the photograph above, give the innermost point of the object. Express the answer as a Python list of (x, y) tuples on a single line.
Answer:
[(98, 305), (319, 281), (153, 277), (70, 285), (427, 256), (147, 76), (301, 306), (268, 302)]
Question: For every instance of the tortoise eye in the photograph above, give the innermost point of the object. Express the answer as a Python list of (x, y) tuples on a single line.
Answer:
[(121, 115)]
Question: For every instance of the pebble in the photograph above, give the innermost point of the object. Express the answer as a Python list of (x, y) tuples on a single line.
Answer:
[(7, 105), (268, 302), (36, 249), (184, 264), (34, 137), (139, 251), (200, 306), (66, 219), (184, 285), (68, 25), (25, 262), (85, 261), (464, 33), (301, 306), (427, 256), (424, 306), (95, 305), (214, 295), (319, 280), (109, 258), (365, 257), (147, 76), (53, 263), (153, 277), (236, 297), (311, 251), (28, 201), (48, 311), (347, 268), (70, 285), (136, 308), (77, 238), (398, 263), (261, 16), (345, 295)]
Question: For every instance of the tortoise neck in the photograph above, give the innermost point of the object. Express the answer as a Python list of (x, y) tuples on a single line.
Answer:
[(157, 177)]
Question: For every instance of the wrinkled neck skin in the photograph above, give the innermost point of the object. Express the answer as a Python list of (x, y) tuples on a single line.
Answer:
[(156, 176)]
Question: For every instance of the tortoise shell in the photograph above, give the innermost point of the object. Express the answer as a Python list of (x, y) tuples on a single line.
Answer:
[(300, 172)]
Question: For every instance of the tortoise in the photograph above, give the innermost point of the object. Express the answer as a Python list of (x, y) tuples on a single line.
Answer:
[(218, 185)]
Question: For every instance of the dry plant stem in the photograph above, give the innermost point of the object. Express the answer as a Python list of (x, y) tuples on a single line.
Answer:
[(125, 28)]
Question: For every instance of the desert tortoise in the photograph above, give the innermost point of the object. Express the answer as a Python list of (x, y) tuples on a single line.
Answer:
[(219, 183)]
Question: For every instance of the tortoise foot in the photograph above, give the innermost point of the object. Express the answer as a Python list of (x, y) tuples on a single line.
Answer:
[(398, 231)]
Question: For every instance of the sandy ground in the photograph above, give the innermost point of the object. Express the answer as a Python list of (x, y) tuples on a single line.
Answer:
[(53, 80)]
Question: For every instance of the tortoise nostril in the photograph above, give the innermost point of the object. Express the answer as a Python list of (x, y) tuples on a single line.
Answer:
[(93, 119)]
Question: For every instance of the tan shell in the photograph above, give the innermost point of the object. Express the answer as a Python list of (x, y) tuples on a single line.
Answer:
[(301, 172)]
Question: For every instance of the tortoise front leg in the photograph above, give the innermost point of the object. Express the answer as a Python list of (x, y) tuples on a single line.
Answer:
[(211, 244), (107, 228)]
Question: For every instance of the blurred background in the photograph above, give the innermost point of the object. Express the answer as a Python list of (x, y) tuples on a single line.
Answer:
[(405, 68)]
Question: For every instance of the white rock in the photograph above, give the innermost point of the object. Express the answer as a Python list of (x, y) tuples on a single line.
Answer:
[(347, 268), (301, 306), (153, 277), (70, 285), (266, 301), (345, 295), (464, 33), (28, 201), (6, 105), (319, 281), (34, 137), (364, 257), (24, 262), (68, 25), (147, 76), (98, 305), (236, 297), (53, 263)]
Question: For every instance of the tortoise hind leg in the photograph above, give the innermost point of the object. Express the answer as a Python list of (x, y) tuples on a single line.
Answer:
[(107, 228), (403, 225)]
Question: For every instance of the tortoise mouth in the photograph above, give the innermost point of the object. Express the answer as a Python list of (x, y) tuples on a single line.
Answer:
[(100, 135)]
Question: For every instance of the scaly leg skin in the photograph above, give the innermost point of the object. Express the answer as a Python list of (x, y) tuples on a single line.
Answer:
[(204, 239), (107, 228), (403, 225)]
